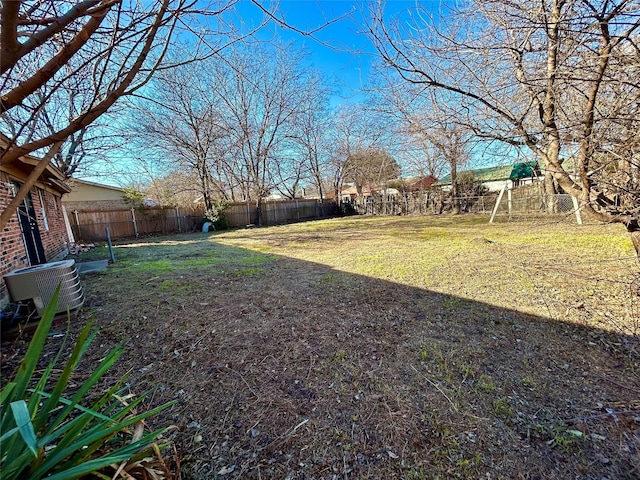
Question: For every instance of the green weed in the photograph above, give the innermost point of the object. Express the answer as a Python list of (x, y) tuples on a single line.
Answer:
[(528, 381), (485, 383), (567, 440), (502, 408)]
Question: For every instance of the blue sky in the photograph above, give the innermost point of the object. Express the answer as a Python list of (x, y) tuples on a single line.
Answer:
[(338, 50)]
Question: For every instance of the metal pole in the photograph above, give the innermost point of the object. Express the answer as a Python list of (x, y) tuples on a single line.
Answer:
[(75, 214), (111, 255)]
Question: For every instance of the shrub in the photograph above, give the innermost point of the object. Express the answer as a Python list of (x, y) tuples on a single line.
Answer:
[(46, 434)]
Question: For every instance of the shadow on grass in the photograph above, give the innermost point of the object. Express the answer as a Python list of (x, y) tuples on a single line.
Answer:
[(291, 369)]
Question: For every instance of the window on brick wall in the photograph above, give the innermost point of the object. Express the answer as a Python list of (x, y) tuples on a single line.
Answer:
[(43, 208)]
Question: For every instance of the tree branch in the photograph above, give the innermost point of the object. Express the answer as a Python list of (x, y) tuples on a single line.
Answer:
[(48, 70)]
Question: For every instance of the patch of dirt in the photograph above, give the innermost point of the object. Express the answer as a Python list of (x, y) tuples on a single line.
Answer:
[(297, 370)]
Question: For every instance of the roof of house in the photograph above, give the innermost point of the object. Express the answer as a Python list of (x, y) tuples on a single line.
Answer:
[(24, 165), (501, 172), (73, 181), (417, 183)]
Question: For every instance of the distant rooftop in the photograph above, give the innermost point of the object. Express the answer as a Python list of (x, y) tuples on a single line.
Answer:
[(501, 172)]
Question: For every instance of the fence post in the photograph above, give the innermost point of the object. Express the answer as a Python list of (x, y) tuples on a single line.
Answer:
[(178, 220), (135, 225), (576, 207), (509, 201), (248, 215), (495, 208)]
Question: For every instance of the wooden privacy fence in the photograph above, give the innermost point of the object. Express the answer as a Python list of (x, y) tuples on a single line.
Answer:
[(276, 212), (90, 225)]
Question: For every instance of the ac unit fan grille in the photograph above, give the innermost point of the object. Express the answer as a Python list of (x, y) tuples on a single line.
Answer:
[(39, 283)]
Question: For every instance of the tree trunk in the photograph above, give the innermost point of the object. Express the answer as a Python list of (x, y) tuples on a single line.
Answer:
[(633, 228), (550, 191), (259, 211), (359, 191), (454, 187)]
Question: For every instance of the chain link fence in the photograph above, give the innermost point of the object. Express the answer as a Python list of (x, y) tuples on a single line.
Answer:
[(510, 206)]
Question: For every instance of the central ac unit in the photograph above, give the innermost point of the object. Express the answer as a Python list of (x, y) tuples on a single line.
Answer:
[(38, 283)]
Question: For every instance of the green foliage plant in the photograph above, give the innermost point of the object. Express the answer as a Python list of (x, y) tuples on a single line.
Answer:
[(216, 214), (133, 197), (57, 436)]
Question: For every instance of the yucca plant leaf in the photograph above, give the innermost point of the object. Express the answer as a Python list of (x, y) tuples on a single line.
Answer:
[(80, 422), (7, 434), (30, 360), (84, 339), (111, 358), (45, 434), (24, 374), (86, 443), (95, 445), (95, 413), (14, 467), (81, 451), (6, 391), (117, 456), (24, 425), (12, 447)]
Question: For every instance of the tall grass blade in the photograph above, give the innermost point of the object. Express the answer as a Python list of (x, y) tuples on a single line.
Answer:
[(25, 427), (30, 360)]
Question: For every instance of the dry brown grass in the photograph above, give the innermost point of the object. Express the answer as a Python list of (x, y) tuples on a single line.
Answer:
[(384, 348)]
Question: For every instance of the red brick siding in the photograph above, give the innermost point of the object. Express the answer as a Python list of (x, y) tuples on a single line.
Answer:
[(12, 251), (13, 254), (55, 240), (95, 205)]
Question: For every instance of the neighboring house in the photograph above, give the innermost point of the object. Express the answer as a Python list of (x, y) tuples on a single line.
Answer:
[(418, 184), (350, 192), (93, 196), (37, 232), (273, 197), (495, 178)]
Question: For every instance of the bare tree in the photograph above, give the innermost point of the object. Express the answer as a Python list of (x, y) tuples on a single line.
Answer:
[(178, 121), (46, 47), (542, 76), (356, 129), (117, 40), (312, 135), (370, 168), (261, 93)]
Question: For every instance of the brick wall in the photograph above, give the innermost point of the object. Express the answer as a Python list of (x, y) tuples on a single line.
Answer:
[(13, 254), (95, 205), (54, 240)]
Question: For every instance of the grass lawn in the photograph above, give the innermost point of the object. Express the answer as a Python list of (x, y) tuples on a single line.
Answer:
[(382, 347)]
